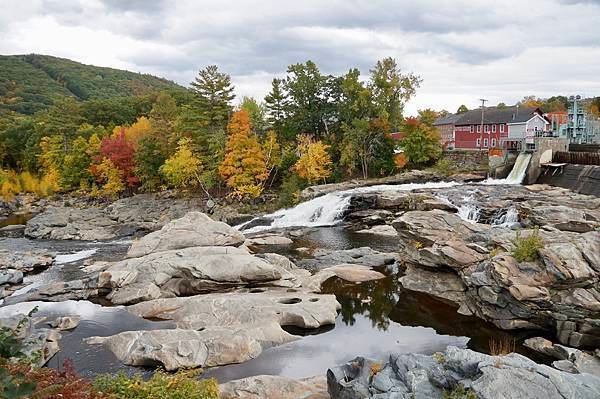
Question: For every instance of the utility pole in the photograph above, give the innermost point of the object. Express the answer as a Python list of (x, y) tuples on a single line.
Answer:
[(483, 100)]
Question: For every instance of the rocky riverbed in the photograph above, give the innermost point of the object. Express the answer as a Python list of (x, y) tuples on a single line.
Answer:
[(373, 271)]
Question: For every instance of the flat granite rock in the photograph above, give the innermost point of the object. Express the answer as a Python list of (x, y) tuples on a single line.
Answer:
[(275, 387), (219, 329)]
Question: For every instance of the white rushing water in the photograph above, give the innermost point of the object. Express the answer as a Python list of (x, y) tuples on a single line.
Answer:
[(508, 218), (517, 174), (328, 209), (68, 258), (468, 210)]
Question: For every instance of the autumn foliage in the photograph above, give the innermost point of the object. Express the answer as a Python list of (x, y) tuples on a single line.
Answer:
[(314, 164), (120, 153), (244, 169)]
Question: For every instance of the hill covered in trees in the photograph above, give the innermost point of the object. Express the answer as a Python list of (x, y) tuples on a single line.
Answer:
[(31, 83)]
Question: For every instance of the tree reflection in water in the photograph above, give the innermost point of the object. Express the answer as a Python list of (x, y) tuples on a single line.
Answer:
[(372, 299), (385, 301)]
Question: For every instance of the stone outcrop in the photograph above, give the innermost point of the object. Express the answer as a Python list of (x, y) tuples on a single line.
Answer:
[(411, 176), (19, 256), (139, 213), (275, 387), (457, 373), (219, 329), (38, 343), (356, 256), (456, 244)]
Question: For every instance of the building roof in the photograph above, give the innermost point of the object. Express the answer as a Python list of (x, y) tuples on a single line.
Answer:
[(498, 115), (449, 119)]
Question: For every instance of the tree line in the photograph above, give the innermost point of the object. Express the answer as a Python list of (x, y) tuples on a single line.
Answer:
[(309, 128)]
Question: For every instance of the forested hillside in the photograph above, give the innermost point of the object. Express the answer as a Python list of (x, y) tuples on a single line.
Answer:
[(30, 83)]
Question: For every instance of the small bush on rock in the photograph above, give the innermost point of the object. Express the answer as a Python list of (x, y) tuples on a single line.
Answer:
[(181, 385), (526, 248), (460, 392)]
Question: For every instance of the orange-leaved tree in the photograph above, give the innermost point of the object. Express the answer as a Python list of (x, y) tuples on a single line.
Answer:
[(244, 168), (314, 163)]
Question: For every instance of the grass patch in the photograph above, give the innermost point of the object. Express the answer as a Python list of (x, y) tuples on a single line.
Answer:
[(502, 346), (460, 392), (527, 248)]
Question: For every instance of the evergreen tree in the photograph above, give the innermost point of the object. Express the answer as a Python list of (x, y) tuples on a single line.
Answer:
[(275, 104), (257, 113), (215, 93)]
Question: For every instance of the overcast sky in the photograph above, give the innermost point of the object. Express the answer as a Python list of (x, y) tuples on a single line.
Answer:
[(464, 50)]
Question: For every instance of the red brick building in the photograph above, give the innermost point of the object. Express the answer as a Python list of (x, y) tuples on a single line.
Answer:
[(508, 127)]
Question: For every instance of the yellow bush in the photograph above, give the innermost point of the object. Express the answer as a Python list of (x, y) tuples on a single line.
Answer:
[(29, 183), (50, 183)]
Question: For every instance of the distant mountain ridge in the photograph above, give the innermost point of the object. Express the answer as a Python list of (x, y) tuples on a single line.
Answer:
[(29, 83)]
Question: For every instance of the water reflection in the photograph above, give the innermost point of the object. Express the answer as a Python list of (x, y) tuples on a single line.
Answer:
[(374, 300)]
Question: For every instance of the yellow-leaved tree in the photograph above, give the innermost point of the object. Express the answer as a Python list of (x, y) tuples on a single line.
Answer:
[(243, 168), (182, 169), (136, 132), (111, 177), (272, 151), (314, 163)]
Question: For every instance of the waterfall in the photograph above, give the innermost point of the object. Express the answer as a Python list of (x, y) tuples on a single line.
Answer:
[(328, 210), (517, 174), (469, 211), (508, 218)]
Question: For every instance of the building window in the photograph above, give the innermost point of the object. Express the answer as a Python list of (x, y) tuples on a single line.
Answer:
[(478, 142), (502, 128), (486, 128), (493, 128), (485, 142), (472, 129), (494, 143), (478, 128)]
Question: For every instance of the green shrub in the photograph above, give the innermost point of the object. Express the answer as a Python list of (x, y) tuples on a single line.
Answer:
[(460, 392), (181, 385), (526, 248), (289, 192), (444, 167)]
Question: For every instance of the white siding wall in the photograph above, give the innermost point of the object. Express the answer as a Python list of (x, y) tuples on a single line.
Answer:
[(536, 123), (516, 131)]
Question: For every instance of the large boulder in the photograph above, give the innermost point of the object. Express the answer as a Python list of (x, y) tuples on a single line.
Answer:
[(188, 271), (195, 229)]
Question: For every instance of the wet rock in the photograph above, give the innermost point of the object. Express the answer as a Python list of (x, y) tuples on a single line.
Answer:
[(268, 239), (65, 322), (357, 256), (382, 230), (445, 285), (24, 255), (477, 374), (65, 223), (275, 387), (219, 329), (13, 230)]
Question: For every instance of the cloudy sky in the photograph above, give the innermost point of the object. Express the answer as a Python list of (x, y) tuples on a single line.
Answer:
[(463, 49)]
